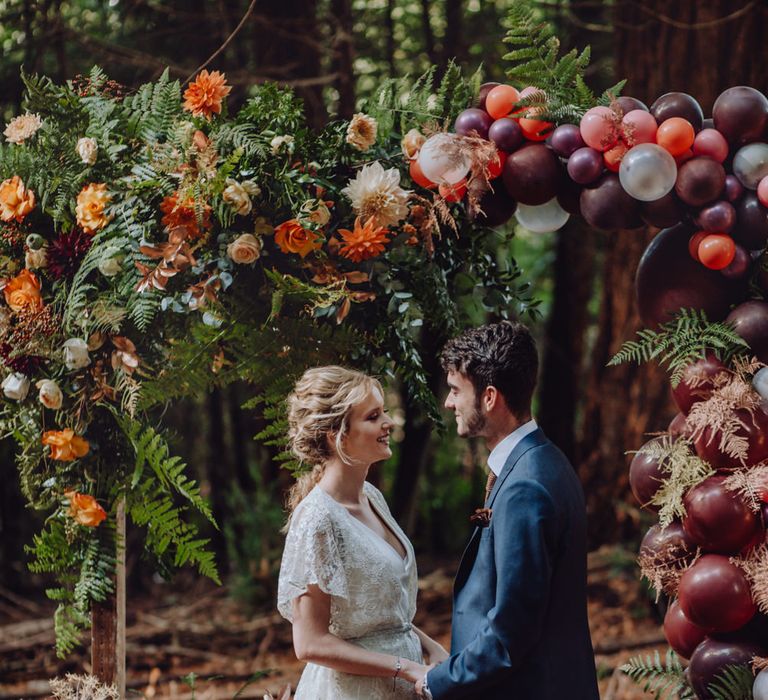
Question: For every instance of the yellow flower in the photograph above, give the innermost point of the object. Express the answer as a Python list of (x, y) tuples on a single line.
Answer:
[(364, 242), (204, 96), (16, 201), (84, 509), (91, 203)]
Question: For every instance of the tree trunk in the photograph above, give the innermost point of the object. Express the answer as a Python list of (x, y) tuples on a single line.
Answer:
[(699, 48), (453, 41), (344, 57)]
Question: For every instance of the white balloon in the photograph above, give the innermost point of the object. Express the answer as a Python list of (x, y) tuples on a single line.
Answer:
[(647, 172), (750, 164), (760, 382), (760, 688), (542, 218), (440, 162)]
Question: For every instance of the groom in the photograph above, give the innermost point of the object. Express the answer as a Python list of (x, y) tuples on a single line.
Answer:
[(519, 629)]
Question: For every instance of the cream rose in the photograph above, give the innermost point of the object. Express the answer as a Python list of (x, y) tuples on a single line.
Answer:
[(412, 143), (87, 149), (76, 354), (36, 259), (245, 249), (316, 212), (278, 142), (16, 386), (49, 394), (237, 197)]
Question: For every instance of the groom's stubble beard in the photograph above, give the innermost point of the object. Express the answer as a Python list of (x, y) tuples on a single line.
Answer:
[(475, 422)]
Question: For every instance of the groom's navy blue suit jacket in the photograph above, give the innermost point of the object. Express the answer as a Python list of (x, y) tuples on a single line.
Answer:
[(520, 606)]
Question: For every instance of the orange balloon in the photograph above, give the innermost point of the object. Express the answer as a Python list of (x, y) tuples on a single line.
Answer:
[(693, 244), (675, 135), (419, 177), (535, 129), (453, 193), (717, 251), (613, 156), (500, 101)]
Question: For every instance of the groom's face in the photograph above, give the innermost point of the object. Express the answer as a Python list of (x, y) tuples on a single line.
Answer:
[(465, 404)]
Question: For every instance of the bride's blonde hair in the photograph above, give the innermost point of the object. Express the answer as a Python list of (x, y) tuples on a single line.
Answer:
[(318, 406)]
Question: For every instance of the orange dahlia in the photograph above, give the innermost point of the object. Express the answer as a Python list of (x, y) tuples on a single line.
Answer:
[(365, 241), (65, 445), (183, 215), (292, 237), (204, 96)]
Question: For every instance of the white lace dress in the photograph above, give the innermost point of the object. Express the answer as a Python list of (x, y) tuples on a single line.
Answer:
[(372, 589)]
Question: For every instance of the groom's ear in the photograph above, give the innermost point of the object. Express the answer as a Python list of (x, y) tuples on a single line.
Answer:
[(491, 398)]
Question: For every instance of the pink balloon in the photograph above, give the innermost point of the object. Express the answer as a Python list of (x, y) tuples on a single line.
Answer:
[(598, 129), (710, 142), (762, 191), (529, 91), (639, 126)]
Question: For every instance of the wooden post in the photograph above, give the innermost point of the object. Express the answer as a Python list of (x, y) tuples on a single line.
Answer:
[(108, 621)]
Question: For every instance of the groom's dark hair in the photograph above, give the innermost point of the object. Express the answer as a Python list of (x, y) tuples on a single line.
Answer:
[(502, 355)]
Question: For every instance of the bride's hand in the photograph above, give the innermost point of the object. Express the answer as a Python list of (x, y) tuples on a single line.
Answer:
[(413, 671)]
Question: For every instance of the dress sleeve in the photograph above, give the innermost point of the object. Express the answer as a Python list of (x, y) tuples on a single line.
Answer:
[(312, 555)]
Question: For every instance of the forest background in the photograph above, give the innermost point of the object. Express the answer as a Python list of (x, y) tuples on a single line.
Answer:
[(335, 53)]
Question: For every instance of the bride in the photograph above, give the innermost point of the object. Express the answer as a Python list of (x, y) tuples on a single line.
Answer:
[(348, 576)]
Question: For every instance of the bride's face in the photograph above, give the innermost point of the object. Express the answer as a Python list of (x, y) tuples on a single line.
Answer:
[(367, 439)]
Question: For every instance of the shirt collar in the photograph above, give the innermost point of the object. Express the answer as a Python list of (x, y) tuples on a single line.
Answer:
[(499, 455)]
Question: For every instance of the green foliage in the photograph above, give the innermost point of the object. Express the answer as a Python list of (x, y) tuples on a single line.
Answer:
[(678, 343), (733, 683), (153, 107), (665, 680)]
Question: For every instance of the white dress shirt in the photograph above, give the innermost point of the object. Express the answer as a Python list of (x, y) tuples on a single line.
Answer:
[(498, 457)]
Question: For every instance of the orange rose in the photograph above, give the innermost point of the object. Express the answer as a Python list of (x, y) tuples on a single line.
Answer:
[(65, 445), (91, 203), (22, 291), (16, 201), (293, 238), (84, 509)]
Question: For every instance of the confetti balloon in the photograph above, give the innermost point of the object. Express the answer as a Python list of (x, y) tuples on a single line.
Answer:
[(647, 172), (542, 218), (438, 160)]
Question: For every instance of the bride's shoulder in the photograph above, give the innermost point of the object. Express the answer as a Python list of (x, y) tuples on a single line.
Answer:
[(315, 510), (374, 494)]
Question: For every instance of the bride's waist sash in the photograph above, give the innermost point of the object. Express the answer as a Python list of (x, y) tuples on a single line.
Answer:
[(382, 633)]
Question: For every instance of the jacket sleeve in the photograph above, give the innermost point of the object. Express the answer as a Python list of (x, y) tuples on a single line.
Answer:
[(524, 523)]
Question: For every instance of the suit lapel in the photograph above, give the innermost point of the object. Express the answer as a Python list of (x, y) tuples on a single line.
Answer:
[(533, 439)]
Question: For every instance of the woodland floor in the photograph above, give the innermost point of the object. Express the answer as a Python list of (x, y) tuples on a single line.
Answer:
[(202, 630)]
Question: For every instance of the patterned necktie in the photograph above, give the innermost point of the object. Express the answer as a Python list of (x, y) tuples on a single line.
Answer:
[(489, 484), (482, 516)]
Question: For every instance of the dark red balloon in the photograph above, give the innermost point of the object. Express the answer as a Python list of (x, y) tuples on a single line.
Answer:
[(664, 212), (741, 114), (697, 383), (628, 104), (497, 208), (717, 218), (565, 139), (668, 279), (585, 165), (750, 321), (716, 595), (751, 228), (733, 188), (473, 121), (670, 544), (712, 657), (569, 196), (754, 428), (677, 426), (506, 134), (683, 636), (719, 520), (740, 265), (485, 88), (645, 474), (532, 174), (678, 104), (700, 181), (607, 206)]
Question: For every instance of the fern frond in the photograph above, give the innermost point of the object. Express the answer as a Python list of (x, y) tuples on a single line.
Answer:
[(734, 682), (666, 680)]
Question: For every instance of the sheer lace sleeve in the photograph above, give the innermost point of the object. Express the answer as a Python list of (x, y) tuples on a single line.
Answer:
[(312, 555)]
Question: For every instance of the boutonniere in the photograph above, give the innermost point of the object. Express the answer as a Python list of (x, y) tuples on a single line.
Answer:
[(481, 517)]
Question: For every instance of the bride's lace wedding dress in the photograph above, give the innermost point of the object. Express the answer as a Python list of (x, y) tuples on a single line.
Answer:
[(372, 589)]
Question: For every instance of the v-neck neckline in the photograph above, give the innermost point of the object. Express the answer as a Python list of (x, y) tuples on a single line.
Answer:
[(404, 560)]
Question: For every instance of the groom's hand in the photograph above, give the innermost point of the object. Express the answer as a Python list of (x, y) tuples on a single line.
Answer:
[(419, 687)]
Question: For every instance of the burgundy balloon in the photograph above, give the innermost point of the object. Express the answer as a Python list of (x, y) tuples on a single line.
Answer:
[(719, 520), (733, 188), (711, 658), (669, 544), (718, 217), (645, 475), (678, 104), (569, 196), (700, 181), (764, 511), (740, 265), (708, 123), (585, 165), (628, 104), (715, 594), (741, 114), (664, 212), (683, 636), (751, 228), (506, 134), (753, 428), (750, 321), (473, 121), (566, 139), (485, 88), (497, 208), (697, 382), (532, 174), (668, 279), (677, 426), (607, 206)]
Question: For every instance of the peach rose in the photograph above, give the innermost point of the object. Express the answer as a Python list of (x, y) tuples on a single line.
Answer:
[(16, 201), (85, 509), (22, 291), (244, 249), (65, 445), (91, 203), (291, 237)]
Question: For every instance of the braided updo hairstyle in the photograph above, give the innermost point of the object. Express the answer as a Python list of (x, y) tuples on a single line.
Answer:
[(318, 407)]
